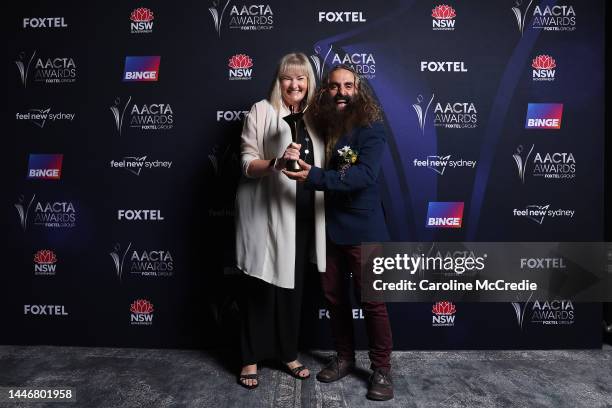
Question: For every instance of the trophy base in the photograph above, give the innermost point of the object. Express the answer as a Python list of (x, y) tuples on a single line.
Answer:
[(293, 166)]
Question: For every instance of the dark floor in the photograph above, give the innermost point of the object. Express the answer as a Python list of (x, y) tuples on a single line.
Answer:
[(114, 377)]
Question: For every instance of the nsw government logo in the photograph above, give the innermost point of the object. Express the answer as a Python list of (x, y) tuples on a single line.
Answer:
[(141, 21), (45, 263), (141, 313), (45, 166), (443, 18), (443, 314), (240, 67), (544, 116), (543, 68), (445, 214), (141, 69)]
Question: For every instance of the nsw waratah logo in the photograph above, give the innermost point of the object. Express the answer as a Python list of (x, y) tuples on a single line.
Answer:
[(240, 67), (141, 21), (141, 313), (445, 215), (543, 68), (141, 69), (45, 262), (443, 314), (443, 18)]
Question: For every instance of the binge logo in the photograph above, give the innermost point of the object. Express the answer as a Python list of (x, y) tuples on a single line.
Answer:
[(445, 214), (45, 166), (544, 116), (141, 69)]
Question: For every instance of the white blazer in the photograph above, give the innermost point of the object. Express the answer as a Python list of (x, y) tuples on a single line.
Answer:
[(265, 207)]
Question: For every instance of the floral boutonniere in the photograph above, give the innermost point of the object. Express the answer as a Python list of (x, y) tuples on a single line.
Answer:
[(348, 157)]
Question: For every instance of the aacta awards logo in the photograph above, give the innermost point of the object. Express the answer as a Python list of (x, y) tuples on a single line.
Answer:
[(362, 63), (254, 17), (240, 67), (443, 18), (142, 21), (50, 70), (49, 214), (156, 263), (141, 313), (456, 115), (217, 10), (552, 166), (152, 116), (543, 68), (45, 262), (443, 314), (554, 18), (545, 313)]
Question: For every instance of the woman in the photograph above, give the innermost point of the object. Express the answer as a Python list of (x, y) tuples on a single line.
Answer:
[(278, 223)]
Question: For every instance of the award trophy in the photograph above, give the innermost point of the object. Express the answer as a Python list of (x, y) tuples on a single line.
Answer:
[(293, 120)]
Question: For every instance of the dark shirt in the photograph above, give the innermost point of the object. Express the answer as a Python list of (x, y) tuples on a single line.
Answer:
[(304, 203)]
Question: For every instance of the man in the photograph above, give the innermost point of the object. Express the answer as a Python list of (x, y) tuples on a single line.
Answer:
[(349, 118)]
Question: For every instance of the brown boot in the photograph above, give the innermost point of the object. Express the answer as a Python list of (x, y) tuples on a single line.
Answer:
[(335, 370), (381, 385)]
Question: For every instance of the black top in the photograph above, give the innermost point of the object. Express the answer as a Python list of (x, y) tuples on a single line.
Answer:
[(304, 203)]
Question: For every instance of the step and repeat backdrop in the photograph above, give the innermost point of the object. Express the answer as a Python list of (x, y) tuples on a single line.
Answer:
[(123, 120)]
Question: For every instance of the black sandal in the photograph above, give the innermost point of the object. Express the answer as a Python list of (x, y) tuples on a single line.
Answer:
[(295, 372), (248, 377)]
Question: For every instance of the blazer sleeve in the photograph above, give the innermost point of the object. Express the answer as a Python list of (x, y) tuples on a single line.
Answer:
[(358, 176), (249, 146)]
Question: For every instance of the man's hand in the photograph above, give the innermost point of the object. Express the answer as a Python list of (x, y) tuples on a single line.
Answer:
[(299, 176)]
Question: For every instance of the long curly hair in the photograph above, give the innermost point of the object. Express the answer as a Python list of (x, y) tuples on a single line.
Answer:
[(362, 111)]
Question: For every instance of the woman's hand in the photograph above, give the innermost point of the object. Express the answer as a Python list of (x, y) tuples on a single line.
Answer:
[(291, 153)]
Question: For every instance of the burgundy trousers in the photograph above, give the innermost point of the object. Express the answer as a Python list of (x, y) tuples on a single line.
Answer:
[(342, 261)]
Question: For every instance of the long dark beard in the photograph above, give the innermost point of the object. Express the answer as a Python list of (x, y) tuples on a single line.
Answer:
[(333, 123)]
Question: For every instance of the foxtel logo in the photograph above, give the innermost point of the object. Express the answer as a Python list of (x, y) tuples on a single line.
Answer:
[(140, 215)]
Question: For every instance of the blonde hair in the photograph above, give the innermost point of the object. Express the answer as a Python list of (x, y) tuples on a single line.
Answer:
[(294, 61)]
